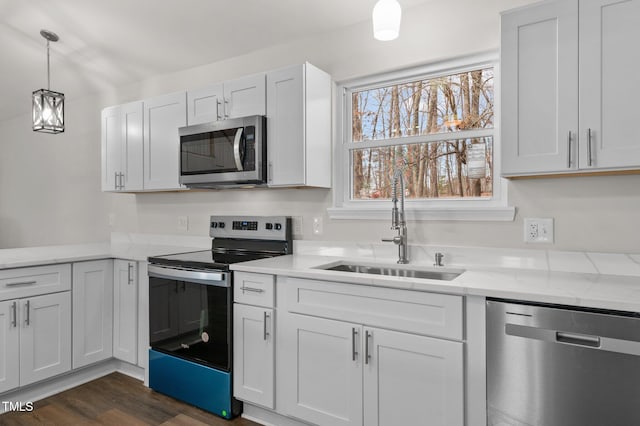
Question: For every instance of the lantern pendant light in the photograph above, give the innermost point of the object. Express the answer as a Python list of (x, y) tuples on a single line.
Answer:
[(48, 106), (386, 20)]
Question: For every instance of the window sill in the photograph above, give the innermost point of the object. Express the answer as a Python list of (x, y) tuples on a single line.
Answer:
[(479, 214)]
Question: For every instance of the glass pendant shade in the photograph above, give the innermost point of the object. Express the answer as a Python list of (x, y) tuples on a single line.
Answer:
[(48, 111), (386, 20), (47, 106)]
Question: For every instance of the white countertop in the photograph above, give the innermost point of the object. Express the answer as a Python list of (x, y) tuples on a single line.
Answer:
[(517, 278), (598, 280), (32, 256)]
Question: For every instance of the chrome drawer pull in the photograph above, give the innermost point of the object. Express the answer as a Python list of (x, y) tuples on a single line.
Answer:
[(21, 283), (254, 290)]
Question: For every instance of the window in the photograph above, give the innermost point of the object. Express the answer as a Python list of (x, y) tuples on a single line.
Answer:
[(438, 125)]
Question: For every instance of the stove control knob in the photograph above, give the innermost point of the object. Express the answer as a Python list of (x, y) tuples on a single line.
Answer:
[(268, 225), (214, 224), (221, 225), (278, 226)]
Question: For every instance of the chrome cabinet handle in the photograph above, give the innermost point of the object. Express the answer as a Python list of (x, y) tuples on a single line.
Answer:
[(254, 290), (264, 325), (218, 107), (354, 334), (14, 307), (27, 305), (130, 276), (578, 339), (367, 355), (226, 108), (569, 150), (115, 181), (236, 149), (589, 158), (270, 171), (20, 283), (121, 180)]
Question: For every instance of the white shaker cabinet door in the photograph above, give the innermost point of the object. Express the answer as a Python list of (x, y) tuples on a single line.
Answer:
[(111, 139), (253, 355), (205, 105), (245, 96), (125, 311), (92, 312), (132, 146), (539, 68), (323, 380), (162, 118), (609, 83), (45, 337), (9, 345), (412, 380)]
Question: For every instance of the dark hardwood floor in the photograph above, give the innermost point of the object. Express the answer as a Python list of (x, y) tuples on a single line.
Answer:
[(115, 399)]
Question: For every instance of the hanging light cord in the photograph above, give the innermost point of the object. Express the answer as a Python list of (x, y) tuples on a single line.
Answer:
[(48, 75)]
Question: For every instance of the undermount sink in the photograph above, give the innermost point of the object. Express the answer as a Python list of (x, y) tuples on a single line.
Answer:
[(430, 274)]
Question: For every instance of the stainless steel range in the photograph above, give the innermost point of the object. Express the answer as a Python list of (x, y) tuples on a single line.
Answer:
[(190, 310)]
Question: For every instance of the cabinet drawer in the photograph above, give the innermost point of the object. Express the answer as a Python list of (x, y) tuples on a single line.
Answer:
[(418, 312), (253, 289), (27, 282)]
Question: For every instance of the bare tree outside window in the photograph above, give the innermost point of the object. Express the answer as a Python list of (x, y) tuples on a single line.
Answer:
[(438, 130)]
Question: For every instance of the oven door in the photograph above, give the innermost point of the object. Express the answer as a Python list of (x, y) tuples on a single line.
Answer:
[(223, 152), (190, 315)]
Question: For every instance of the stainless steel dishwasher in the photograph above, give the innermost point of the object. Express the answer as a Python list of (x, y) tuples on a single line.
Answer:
[(553, 365)]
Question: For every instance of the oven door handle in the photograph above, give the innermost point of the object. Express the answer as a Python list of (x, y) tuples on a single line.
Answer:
[(236, 149), (209, 278)]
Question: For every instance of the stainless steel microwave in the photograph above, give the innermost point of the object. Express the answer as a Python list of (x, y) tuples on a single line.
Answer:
[(224, 153)]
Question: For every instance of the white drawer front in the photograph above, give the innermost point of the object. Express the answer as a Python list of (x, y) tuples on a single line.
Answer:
[(254, 289), (27, 282), (418, 312)]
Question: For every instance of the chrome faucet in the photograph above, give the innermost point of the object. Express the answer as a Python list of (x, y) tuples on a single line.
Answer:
[(398, 221)]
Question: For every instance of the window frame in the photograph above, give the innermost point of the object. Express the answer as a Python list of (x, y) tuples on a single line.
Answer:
[(494, 208)]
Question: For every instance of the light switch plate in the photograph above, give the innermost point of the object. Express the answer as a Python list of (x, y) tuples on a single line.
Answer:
[(538, 230)]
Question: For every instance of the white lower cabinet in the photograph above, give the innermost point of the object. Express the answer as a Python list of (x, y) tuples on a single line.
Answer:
[(341, 373), (412, 380), (125, 310), (92, 312), (254, 355), (36, 339), (9, 346), (45, 337), (322, 383)]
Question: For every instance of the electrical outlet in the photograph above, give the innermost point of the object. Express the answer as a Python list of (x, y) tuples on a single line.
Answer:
[(317, 226), (183, 223), (538, 230), (297, 226)]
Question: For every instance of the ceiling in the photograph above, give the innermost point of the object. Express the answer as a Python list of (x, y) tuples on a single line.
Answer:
[(107, 44)]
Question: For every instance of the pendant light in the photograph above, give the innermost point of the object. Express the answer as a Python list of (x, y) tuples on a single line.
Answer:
[(48, 106), (386, 20)]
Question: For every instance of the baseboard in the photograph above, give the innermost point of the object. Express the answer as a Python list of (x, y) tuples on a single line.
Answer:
[(46, 388), (267, 417)]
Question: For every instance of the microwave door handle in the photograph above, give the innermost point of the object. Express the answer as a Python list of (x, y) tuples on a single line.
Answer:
[(236, 149)]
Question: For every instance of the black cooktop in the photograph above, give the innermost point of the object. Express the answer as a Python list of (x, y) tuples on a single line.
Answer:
[(207, 259)]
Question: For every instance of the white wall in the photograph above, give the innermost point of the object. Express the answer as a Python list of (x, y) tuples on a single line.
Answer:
[(50, 185)]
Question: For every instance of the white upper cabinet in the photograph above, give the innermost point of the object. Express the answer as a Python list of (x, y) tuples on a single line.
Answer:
[(245, 96), (163, 116), (205, 105), (539, 88), (235, 98), (299, 127), (568, 87), (122, 147), (609, 83)]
